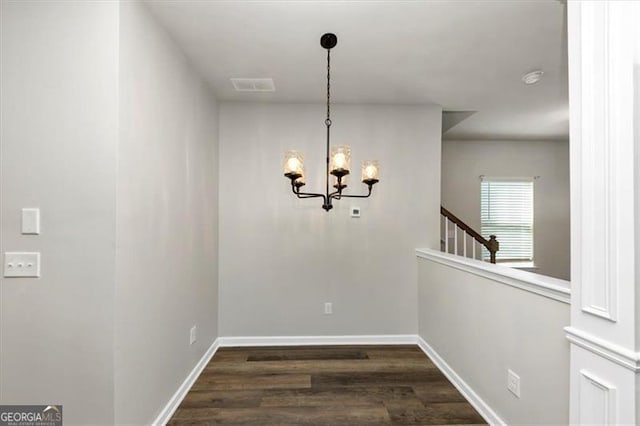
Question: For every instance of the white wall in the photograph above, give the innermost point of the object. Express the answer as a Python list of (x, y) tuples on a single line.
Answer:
[(281, 258), (58, 140), (166, 219), (482, 327), (108, 130), (464, 161)]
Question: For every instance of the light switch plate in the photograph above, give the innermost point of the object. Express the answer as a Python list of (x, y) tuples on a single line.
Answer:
[(31, 221), (21, 264)]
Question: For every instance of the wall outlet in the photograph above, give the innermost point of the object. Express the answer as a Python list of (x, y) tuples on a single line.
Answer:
[(328, 308), (193, 335), (513, 383)]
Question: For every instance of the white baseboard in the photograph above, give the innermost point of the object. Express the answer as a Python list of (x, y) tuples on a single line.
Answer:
[(178, 396), (385, 339), (482, 407)]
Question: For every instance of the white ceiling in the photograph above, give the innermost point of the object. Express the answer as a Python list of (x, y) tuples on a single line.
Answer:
[(463, 55)]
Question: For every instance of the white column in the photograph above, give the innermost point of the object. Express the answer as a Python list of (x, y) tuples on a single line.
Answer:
[(604, 78)]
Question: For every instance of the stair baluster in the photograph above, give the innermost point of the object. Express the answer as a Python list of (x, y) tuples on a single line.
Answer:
[(492, 244)]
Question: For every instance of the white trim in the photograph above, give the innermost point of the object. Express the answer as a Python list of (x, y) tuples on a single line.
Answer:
[(385, 339), (607, 400), (618, 354), (552, 288), (474, 399), (178, 396)]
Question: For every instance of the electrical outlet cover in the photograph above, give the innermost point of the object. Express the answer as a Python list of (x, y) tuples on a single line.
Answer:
[(193, 335), (513, 383)]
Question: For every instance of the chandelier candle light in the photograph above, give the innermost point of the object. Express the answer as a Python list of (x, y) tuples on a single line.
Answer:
[(338, 156)]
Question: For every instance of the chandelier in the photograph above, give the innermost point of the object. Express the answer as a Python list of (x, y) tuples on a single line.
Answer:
[(338, 157)]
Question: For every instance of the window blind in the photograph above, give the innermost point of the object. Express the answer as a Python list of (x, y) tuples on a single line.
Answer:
[(507, 213)]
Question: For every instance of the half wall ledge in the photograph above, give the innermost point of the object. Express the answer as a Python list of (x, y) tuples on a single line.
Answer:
[(553, 288)]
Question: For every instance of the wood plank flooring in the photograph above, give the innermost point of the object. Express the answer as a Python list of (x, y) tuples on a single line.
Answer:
[(324, 385)]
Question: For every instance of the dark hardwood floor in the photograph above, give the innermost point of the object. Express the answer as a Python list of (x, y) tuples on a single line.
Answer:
[(324, 385)]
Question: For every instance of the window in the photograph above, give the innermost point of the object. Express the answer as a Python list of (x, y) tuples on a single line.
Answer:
[(507, 212)]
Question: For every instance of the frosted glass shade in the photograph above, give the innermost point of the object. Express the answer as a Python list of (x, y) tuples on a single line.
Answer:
[(293, 164), (340, 159), (370, 170)]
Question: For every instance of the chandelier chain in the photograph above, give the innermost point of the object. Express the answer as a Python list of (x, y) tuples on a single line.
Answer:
[(328, 120)]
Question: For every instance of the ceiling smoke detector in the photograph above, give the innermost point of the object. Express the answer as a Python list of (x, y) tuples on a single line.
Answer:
[(532, 77), (253, 84)]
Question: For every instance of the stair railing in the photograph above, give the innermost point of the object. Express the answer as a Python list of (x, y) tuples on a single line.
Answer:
[(492, 245)]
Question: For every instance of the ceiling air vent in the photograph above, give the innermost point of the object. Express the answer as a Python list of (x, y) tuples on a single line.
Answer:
[(253, 84)]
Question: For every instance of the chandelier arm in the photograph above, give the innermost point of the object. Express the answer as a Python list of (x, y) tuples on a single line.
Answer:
[(305, 194), (339, 196), (308, 194)]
